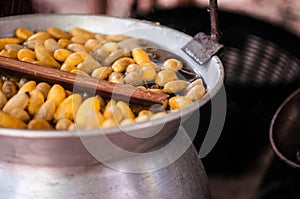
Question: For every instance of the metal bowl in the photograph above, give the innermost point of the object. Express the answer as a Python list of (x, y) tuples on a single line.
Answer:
[(284, 131), (48, 144), (56, 156)]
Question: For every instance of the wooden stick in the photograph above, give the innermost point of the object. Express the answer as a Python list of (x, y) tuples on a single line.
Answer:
[(79, 83)]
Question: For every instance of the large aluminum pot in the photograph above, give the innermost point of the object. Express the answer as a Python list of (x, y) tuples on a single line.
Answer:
[(153, 159)]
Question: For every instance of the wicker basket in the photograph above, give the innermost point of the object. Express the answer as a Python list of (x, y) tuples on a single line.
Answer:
[(262, 68)]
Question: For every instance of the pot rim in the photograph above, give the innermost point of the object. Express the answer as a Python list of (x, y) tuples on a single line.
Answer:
[(271, 132)]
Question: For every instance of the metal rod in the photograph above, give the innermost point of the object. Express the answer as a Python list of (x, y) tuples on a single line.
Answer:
[(215, 34)]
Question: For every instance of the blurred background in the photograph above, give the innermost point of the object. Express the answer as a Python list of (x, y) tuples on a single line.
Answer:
[(262, 67)]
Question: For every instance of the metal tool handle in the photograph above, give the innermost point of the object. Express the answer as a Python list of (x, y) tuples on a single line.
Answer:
[(214, 23)]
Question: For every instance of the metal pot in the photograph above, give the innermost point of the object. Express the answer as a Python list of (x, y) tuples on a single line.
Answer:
[(153, 159), (284, 131)]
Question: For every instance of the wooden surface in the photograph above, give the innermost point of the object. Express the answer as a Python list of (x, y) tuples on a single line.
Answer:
[(79, 83)]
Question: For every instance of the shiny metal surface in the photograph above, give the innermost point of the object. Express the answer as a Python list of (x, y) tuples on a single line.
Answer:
[(145, 159), (284, 131), (184, 178)]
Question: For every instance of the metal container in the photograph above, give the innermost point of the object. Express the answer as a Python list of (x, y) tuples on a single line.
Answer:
[(153, 159), (284, 131)]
